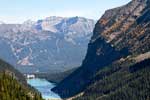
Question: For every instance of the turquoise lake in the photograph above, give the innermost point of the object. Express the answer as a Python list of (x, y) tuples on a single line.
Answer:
[(44, 87)]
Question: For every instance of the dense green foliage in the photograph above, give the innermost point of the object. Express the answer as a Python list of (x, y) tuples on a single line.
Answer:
[(13, 85), (120, 81), (11, 89)]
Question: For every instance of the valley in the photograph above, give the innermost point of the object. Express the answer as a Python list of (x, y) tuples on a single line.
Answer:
[(43, 51), (78, 58), (44, 87)]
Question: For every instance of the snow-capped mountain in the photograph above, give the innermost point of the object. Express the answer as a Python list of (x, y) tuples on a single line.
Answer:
[(52, 44)]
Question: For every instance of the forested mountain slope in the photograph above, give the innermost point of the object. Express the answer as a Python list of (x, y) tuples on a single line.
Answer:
[(121, 33), (120, 81), (13, 85)]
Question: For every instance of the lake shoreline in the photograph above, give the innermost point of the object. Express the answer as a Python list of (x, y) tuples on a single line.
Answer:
[(44, 87)]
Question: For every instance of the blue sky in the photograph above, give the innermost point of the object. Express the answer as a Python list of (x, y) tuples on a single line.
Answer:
[(17, 11)]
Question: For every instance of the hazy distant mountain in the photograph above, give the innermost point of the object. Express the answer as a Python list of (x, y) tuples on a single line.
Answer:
[(52, 44), (2, 22)]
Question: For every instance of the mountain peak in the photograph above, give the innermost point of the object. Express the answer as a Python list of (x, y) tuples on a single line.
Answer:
[(29, 22), (65, 24), (53, 18)]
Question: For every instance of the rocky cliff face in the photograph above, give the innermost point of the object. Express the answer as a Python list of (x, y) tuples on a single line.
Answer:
[(125, 27), (75, 25), (120, 32)]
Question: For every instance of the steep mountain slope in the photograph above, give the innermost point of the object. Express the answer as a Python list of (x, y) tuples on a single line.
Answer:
[(121, 32), (46, 45), (120, 81), (8, 69), (14, 86), (11, 89)]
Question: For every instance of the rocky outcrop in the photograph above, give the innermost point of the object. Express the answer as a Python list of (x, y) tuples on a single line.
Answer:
[(120, 32)]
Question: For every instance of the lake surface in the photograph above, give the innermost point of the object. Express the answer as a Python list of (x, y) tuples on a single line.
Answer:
[(44, 86)]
